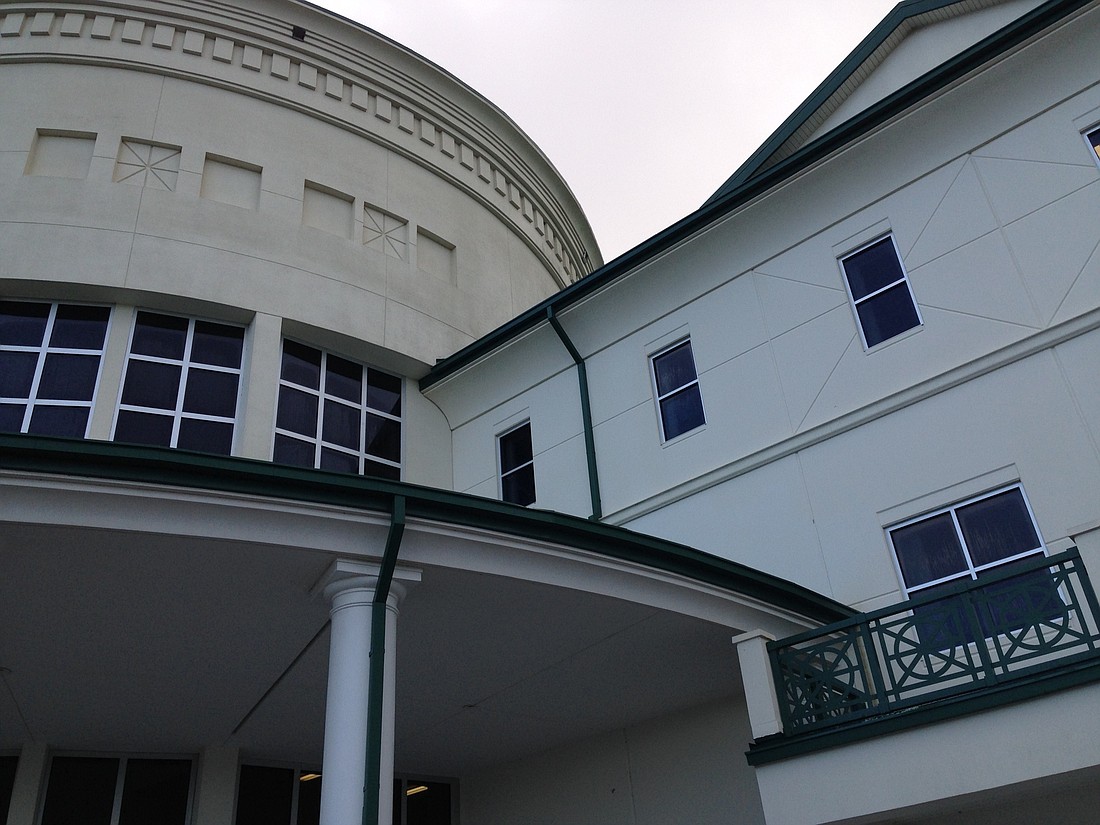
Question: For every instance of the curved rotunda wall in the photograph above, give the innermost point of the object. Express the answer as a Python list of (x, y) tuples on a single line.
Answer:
[(270, 159)]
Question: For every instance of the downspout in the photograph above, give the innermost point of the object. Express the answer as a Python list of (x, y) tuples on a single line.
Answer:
[(378, 663), (586, 415)]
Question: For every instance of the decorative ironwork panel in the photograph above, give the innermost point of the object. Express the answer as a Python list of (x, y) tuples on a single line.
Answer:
[(1022, 619)]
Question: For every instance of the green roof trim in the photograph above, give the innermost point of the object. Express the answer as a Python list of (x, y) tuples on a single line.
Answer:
[(736, 193), (179, 468)]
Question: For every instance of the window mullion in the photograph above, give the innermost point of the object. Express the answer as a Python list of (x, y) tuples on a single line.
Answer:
[(120, 783), (879, 291), (962, 543)]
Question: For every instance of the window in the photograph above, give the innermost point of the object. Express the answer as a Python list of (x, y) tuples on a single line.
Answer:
[(1093, 140), (267, 795), (337, 415), (422, 802), (962, 542), (50, 356), (517, 465), (181, 384), (96, 790), (679, 404), (880, 292)]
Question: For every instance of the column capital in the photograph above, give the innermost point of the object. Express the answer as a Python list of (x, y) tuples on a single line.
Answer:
[(344, 575)]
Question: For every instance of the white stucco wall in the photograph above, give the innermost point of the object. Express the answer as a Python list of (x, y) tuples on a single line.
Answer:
[(688, 766)]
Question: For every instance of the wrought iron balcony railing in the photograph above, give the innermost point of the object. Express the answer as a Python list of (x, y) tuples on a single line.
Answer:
[(1028, 617)]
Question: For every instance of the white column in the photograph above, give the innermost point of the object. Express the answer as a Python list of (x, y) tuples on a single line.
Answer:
[(756, 675), (350, 587), (216, 792), (30, 774)]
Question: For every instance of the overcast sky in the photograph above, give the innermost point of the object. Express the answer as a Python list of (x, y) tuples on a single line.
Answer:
[(644, 106)]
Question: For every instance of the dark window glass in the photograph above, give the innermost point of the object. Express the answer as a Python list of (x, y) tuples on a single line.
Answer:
[(79, 327), (380, 470), (517, 470), (71, 422), (205, 436), (872, 268), (155, 791), (301, 365), (11, 417), (339, 462), (80, 791), (211, 393), (518, 487), (297, 412), (265, 796), (674, 368), (383, 392), (428, 807), (515, 448), (383, 438), (678, 398), (292, 451), (928, 550), (341, 425), (993, 528), (309, 801), (217, 344), (997, 527), (8, 765), (143, 428), (17, 373), (68, 377), (22, 324), (162, 336), (150, 384), (682, 412), (887, 314), (880, 292), (344, 379)]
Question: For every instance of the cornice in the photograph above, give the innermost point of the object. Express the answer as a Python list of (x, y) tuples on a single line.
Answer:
[(340, 73)]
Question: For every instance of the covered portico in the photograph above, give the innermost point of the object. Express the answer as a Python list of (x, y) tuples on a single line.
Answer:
[(159, 602)]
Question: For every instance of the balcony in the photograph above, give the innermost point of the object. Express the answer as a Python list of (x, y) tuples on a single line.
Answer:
[(1027, 629)]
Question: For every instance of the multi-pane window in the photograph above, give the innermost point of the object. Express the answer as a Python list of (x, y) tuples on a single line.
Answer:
[(960, 543), (517, 465), (267, 795), (50, 356), (181, 384), (1093, 140), (879, 291), (337, 415), (95, 790), (679, 403)]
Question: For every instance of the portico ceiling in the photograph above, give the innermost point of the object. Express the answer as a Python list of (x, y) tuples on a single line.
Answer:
[(124, 640)]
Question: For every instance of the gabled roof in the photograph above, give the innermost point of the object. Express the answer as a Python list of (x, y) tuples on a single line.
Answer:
[(845, 79), (744, 187)]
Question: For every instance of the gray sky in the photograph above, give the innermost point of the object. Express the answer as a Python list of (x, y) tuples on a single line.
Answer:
[(644, 106)]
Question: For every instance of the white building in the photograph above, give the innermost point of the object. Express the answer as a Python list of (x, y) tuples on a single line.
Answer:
[(236, 237)]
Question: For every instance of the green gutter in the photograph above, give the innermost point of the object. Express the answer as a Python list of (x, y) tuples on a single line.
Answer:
[(372, 786), (179, 468), (1030, 24), (586, 416)]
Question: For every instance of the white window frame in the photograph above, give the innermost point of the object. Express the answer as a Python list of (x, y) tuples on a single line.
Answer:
[(502, 474), (317, 440), (972, 571), (854, 304), (44, 349), (1091, 136), (178, 414), (658, 397)]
